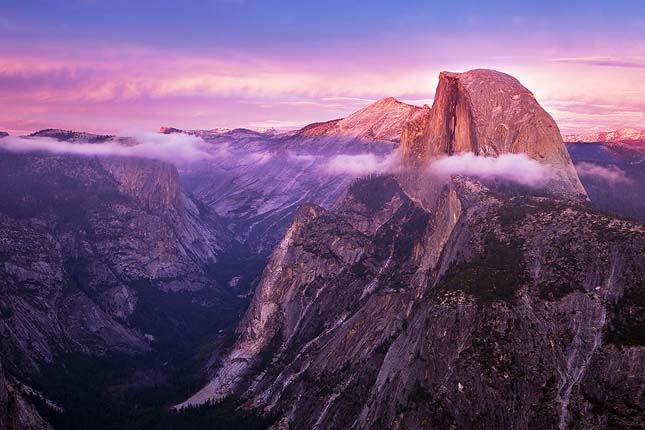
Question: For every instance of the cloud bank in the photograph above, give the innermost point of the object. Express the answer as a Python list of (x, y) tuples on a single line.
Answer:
[(518, 168), (612, 174), (173, 148), (361, 164)]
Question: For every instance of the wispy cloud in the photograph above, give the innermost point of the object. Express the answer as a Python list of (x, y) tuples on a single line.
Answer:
[(111, 86), (147, 74), (611, 174), (635, 62), (301, 157), (361, 164), (586, 116), (277, 124), (518, 168), (172, 148)]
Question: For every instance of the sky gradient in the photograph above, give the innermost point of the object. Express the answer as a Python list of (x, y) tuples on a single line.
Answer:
[(113, 65)]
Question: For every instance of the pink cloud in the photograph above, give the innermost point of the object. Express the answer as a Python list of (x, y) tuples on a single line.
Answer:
[(106, 88), (628, 62), (361, 164), (518, 168)]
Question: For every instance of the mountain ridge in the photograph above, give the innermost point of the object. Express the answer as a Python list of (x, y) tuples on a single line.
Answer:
[(625, 136), (380, 120)]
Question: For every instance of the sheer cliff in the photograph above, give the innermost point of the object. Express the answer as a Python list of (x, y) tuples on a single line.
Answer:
[(489, 113)]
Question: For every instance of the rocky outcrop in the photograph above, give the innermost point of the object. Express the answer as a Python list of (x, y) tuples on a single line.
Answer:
[(153, 184), (485, 311), (489, 113), (3, 134), (72, 136)]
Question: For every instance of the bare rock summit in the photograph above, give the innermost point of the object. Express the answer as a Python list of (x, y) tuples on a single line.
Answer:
[(489, 113)]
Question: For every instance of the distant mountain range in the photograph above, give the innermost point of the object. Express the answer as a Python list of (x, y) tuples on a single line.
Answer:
[(625, 136)]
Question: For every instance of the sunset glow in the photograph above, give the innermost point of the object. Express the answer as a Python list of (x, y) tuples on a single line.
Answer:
[(106, 66)]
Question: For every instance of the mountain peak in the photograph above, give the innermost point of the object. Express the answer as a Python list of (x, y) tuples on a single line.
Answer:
[(385, 101), (489, 113), (390, 102), (381, 120)]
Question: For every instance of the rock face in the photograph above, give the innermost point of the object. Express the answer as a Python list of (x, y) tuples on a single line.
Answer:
[(3, 134), (154, 185), (489, 113), (382, 120), (81, 239), (490, 311), (259, 186)]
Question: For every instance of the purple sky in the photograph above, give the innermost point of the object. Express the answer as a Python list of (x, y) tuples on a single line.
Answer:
[(115, 65)]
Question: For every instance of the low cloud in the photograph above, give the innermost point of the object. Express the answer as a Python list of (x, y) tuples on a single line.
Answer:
[(611, 174), (361, 164), (301, 158), (260, 157), (173, 148), (180, 148), (518, 168)]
